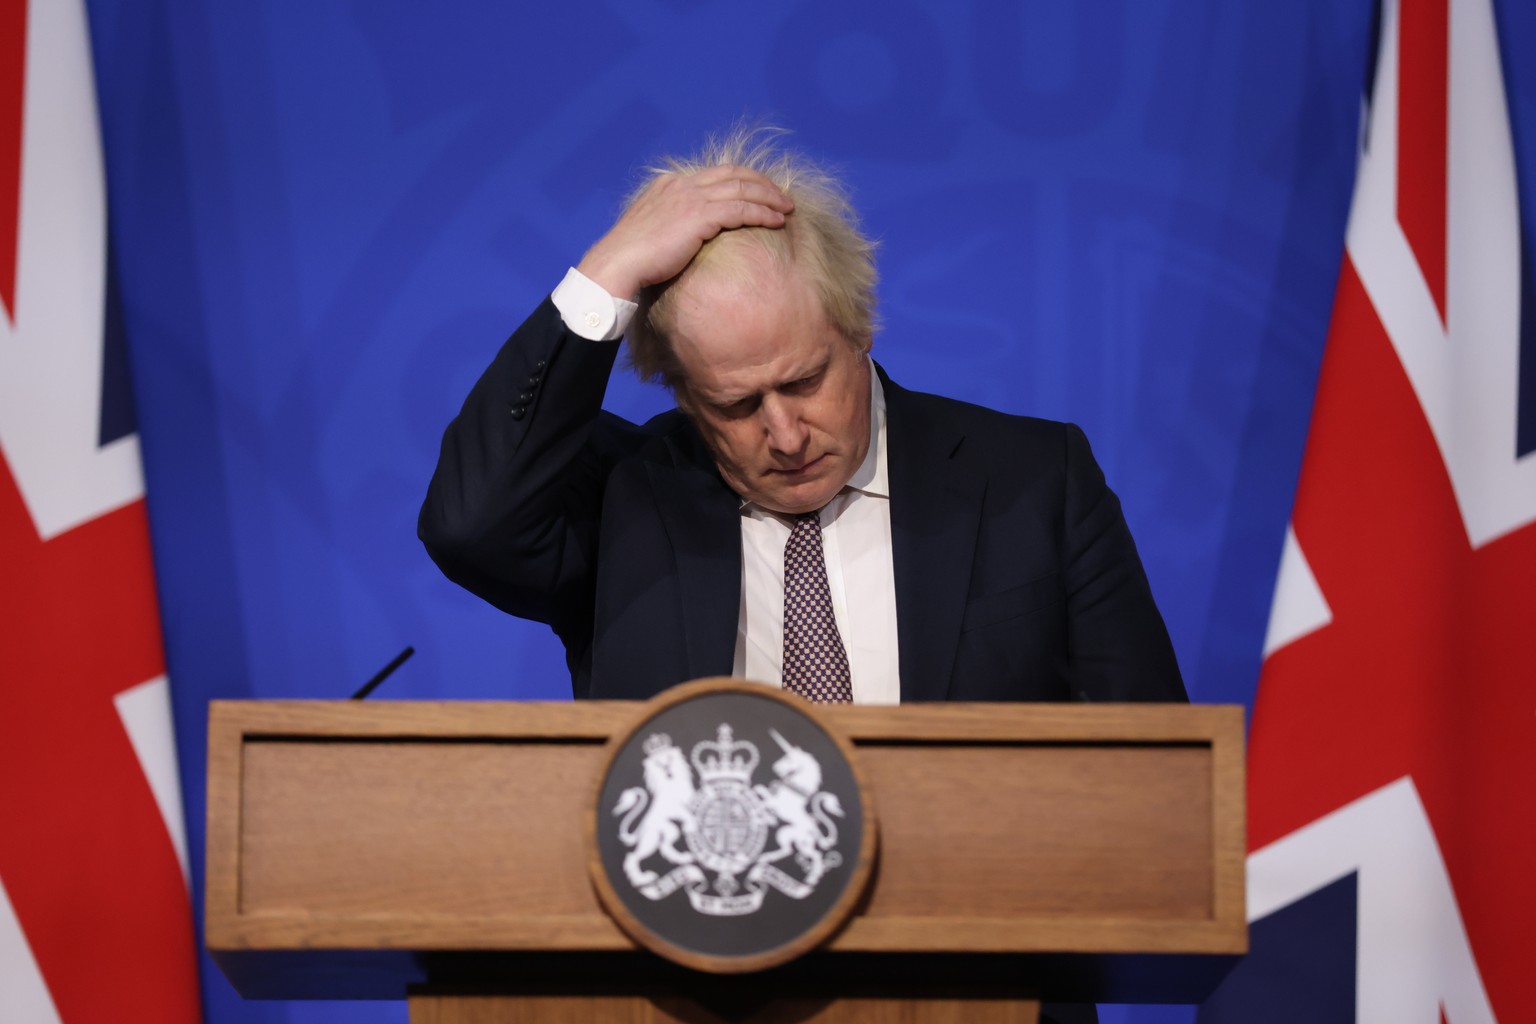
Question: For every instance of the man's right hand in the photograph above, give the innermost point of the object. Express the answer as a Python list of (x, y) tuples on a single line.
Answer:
[(663, 229)]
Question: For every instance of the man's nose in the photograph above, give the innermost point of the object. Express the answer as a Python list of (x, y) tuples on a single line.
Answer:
[(782, 423)]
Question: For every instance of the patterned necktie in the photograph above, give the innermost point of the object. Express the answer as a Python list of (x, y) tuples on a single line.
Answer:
[(815, 664)]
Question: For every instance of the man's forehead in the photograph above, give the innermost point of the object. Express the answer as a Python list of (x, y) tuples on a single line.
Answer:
[(727, 330)]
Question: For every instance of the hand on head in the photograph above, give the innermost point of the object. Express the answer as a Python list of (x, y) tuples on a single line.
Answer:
[(663, 229)]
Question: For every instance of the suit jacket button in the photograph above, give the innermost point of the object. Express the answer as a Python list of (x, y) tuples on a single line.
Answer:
[(533, 381), (525, 398), (518, 412), (540, 365)]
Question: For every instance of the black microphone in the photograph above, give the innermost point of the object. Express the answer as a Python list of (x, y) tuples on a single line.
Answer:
[(383, 673)]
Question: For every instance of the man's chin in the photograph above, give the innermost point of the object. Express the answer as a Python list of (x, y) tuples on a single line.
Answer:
[(783, 493), (796, 500)]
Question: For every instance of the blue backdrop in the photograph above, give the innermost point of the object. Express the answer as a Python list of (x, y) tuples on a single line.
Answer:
[(328, 214)]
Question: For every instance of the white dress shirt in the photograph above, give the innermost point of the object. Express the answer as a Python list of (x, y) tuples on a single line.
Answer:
[(855, 536)]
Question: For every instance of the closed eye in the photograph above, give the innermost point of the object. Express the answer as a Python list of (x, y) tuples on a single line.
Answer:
[(805, 385), (739, 408)]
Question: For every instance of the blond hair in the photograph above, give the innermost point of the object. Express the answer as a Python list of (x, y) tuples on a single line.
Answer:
[(821, 238)]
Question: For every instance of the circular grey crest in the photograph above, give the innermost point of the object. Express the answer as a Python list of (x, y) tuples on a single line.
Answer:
[(731, 830)]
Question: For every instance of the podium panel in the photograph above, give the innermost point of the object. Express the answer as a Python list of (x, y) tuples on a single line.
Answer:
[(379, 850)]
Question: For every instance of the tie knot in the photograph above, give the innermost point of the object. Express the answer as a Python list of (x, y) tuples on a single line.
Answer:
[(805, 535)]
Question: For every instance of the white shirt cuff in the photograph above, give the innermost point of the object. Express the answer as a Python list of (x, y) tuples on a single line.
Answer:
[(589, 311)]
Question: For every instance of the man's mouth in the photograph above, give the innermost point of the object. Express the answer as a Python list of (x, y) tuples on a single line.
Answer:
[(803, 468)]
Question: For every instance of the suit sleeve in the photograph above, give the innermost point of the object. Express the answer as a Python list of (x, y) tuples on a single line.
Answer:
[(512, 511), (1118, 646)]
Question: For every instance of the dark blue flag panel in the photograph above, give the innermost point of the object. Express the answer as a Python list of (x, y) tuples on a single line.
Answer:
[(1301, 967), (327, 215)]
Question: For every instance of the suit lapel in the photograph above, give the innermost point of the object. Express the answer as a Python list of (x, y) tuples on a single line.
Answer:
[(702, 519), (935, 511)]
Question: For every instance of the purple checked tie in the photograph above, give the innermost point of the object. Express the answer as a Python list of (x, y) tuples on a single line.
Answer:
[(815, 664)]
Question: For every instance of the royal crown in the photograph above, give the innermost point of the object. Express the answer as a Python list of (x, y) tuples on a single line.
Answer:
[(724, 757)]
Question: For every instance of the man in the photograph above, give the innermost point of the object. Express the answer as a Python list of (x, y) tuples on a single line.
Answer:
[(801, 520), (929, 549)]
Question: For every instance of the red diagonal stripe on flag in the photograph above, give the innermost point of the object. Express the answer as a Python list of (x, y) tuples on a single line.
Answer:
[(88, 864), (1423, 87), (13, 72)]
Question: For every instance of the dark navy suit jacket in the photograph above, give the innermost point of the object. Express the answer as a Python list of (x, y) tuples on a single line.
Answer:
[(1016, 577)]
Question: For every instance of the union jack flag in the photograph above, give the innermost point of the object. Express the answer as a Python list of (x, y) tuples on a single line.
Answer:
[(95, 914), (1393, 748)]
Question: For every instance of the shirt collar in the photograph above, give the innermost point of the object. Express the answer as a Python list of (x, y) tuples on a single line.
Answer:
[(870, 477)]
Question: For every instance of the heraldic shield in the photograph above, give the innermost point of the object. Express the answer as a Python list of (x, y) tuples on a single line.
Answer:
[(731, 831)]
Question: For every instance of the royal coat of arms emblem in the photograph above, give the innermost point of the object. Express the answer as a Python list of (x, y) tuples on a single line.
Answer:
[(731, 830), (699, 824)]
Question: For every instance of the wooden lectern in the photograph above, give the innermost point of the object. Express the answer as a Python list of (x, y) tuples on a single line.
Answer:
[(436, 852)]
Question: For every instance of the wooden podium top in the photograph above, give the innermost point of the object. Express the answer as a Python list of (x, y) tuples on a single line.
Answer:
[(354, 849)]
